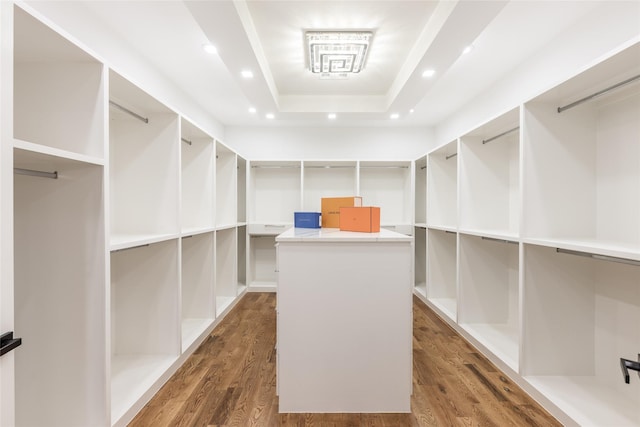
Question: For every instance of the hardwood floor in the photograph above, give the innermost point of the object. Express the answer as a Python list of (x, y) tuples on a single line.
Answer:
[(230, 381)]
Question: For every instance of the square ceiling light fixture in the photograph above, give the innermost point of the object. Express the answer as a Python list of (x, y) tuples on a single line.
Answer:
[(337, 53)]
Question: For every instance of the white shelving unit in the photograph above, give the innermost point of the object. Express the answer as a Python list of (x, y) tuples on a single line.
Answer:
[(420, 260), (198, 154), (60, 369), (198, 311), (489, 295), (490, 177), (144, 167), (242, 190), (580, 316), (388, 185), (226, 270), (581, 168), (226, 187), (442, 280), (327, 179), (442, 187), (262, 268), (145, 321)]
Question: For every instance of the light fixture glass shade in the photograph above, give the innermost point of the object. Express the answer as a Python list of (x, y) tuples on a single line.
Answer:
[(337, 52)]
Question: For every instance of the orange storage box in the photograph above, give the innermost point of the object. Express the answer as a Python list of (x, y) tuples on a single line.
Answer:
[(365, 219), (330, 207)]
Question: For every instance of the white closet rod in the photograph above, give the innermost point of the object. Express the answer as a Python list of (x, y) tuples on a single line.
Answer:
[(186, 141), (493, 239), (601, 92), (332, 167), (450, 156), (126, 110), (422, 167), (484, 141), (40, 174), (600, 257)]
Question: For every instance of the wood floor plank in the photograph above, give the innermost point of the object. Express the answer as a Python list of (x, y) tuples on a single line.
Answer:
[(230, 381)]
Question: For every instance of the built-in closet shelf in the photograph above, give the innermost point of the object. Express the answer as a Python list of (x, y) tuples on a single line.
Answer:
[(130, 241), (420, 225), (445, 228), (591, 246), (447, 306), (420, 260), (500, 339), (226, 226), (272, 229), (27, 152), (192, 329), (399, 228), (442, 288), (198, 174), (132, 376)]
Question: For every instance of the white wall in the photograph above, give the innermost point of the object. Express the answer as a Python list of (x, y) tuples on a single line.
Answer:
[(604, 31), (300, 143)]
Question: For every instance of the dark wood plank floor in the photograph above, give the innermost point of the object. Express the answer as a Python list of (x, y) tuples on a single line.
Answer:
[(230, 381)]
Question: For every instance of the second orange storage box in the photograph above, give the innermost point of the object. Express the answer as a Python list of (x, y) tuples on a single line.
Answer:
[(365, 219)]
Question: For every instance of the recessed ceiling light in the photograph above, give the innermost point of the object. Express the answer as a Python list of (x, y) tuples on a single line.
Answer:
[(247, 74), (252, 110), (270, 116), (428, 73), (209, 48), (331, 116), (411, 111), (394, 116), (467, 49)]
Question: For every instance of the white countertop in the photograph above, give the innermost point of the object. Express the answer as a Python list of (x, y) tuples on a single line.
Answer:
[(335, 235)]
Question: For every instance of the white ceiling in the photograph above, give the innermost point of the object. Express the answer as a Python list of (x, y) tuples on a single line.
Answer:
[(266, 37)]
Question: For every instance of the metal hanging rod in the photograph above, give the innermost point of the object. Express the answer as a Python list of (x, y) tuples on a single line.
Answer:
[(132, 247), (450, 156), (126, 110), (600, 257), (493, 239), (40, 174), (422, 167), (484, 141), (384, 167), (450, 232), (601, 92), (186, 141), (331, 167), (276, 167)]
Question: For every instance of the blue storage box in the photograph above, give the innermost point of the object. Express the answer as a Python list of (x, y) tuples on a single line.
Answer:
[(306, 219)]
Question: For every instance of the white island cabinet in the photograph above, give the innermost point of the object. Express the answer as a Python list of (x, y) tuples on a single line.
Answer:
[(344, 321)]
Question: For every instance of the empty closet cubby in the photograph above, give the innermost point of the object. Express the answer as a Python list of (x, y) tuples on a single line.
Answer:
[(327, 179), (59, 90), (198, 308), (580, 316), (242, 190), (489, 295), (420, 260), (59, 292), (442, 187), (145, 320), (144, 166), (197, 160), (262, 265), (582, 160), (226, 177), (442, 280), (241, 259), (274, 195), (420, 198), (489, 176), (226, 270), (387, 184)]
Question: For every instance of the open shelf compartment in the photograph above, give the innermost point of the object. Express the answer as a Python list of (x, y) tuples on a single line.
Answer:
[(442, 280), (490, 176), (489, 295), (442, 186), (226, 186), (198, 311), (387, 184), (226, 270), (580, 317), (327, 179), (262, 268), (275, 192), (420, 260)]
